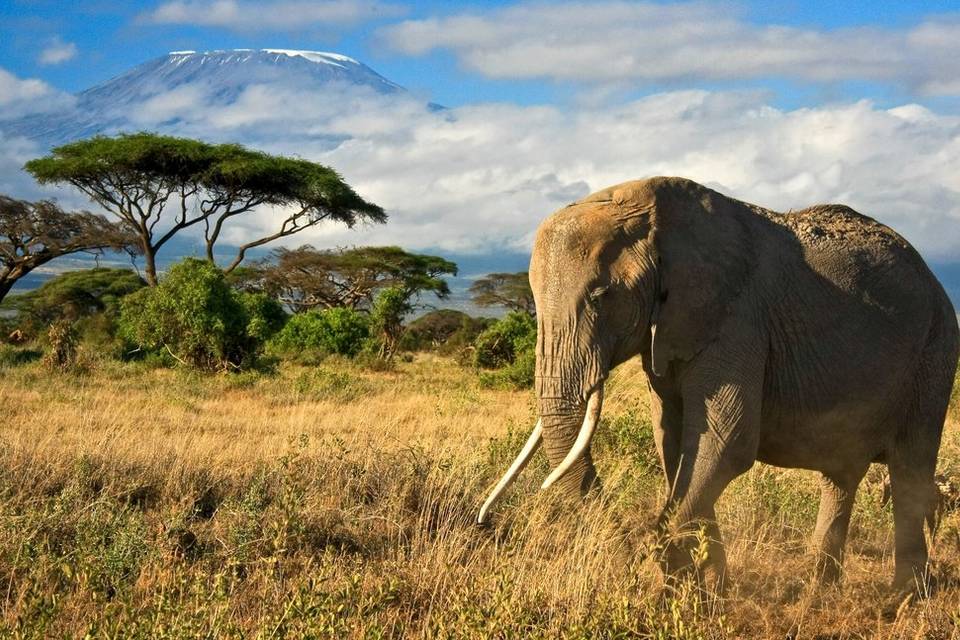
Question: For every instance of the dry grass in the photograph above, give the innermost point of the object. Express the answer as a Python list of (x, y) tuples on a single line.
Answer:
[(337, 502)]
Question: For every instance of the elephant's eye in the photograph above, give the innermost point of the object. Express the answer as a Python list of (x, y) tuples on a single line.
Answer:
[(597, 293)]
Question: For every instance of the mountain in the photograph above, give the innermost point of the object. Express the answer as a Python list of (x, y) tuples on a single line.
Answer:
[(159, 94)]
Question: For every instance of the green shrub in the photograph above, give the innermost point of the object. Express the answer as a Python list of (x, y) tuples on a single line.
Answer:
[(386, 320), (446, 331), (516, 375), (265, 316), (196, 317), (340, 330), (508, 345), (500, 344), (75, 295)]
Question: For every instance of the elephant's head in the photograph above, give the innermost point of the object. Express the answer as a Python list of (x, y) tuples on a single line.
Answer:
[(646, 267)]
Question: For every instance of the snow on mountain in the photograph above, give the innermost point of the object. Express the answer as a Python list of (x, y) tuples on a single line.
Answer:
[(211, 94)]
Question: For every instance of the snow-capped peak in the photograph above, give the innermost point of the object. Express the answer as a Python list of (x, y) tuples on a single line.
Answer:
[(320, 57), (315, 56)]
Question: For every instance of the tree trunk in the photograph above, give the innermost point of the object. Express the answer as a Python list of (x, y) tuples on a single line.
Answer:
[(150, 265), (5, 285)]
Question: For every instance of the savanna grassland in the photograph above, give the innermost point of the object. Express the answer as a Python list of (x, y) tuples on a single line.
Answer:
[(335, 501)]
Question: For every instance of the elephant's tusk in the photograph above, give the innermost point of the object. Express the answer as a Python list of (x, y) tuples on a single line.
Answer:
[(528, 450), (590, 420)]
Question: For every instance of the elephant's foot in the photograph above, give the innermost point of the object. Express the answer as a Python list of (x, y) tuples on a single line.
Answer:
[(696, 552), (913, 579), (828, 570)]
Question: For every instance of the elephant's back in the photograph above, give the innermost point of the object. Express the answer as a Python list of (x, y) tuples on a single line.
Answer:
[(866, 259)]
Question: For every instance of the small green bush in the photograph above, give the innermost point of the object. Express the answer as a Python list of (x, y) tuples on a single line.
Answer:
[(500, 344), (76, 296), (508, 345), (265, 316), (516, 375), (445, 331), (386, 320), (196, 317), (340, 330)]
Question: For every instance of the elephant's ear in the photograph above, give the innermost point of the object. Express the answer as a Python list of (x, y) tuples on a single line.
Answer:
[(705, 260)]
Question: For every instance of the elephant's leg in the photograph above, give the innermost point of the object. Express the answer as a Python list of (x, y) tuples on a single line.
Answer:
[(912, 487), (837, 493), (912, 460), (667, 418), (719, 443)]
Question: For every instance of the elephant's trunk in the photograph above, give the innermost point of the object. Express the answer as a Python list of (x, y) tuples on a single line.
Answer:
[(567, 428), (581, 446)]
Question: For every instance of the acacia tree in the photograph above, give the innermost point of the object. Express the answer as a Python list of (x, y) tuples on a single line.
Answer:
[(158, 186), (306, 278), (34, 233), (509, 290)]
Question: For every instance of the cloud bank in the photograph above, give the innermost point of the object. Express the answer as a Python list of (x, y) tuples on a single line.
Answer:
[(480, 178), (626, 42), (19, 97)]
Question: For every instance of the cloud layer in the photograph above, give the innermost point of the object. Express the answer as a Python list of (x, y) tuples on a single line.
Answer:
[(20, 97), (480, 178), (626, 42), (277, 15)]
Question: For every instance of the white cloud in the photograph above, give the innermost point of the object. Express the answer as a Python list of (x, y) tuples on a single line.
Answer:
[(481, 177), (20, 97), (608, 42), (57, 52), (277, 15)]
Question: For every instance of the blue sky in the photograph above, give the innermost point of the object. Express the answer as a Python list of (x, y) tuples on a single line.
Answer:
[(110, 37)]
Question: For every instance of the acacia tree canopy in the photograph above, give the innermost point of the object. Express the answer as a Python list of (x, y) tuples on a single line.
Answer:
[(34, 233), (306, 278), (159, 185), (509, 290)]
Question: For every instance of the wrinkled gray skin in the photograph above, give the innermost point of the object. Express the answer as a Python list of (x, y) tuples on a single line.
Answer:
[(816, 339)]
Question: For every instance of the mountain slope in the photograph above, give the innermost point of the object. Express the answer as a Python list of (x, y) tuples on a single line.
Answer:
[(159, 94)]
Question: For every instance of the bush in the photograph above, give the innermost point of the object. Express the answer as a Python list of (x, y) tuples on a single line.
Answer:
[(386, 320), (444, 330), (340, 330), (508, 345), (62, 342), (75, 295), (500, 344), (516, 375), (265, 316), (198, 319)]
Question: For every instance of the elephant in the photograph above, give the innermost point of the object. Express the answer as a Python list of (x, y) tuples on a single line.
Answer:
[(814, 339)]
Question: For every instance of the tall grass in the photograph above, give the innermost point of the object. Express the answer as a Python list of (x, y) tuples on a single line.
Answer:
[(333, 501)]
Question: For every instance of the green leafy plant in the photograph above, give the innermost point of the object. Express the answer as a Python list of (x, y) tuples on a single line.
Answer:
[(91, 297), (339, 330), (446, 331), (198, 319), (386, 320), (500, 344)]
